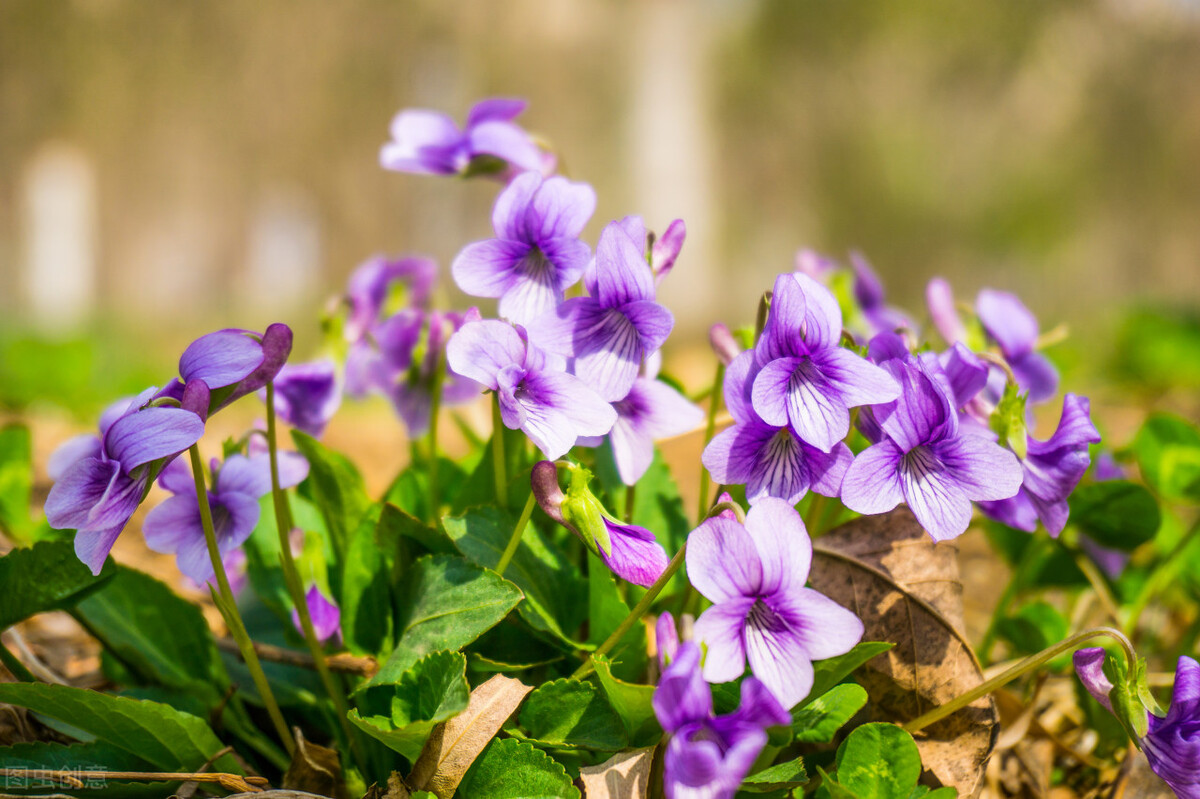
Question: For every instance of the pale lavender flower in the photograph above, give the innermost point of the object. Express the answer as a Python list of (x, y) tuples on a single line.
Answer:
[(370, 288), (234, 362), (815, 265), (173, 527), (805, 380), (536, 254), (939, 298), (307, 395), (552, 407), (325, 614), (723, 344), (924, 460), (769, 460), (1051, 470), (708, 756), (754, 574), (101, 481), (651, 410), (666, 248), (430, 143)]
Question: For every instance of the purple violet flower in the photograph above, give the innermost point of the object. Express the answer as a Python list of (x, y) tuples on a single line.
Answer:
[(101, 481), (665, 250), (709, 756), (804, 379), (551, 406), (610, 332), (769, 460), (325, 614), (925, 460), (430, 143), (868, 290), (1015, 329), (1051, 471), (651, 410), (754, 574), (536, 254), (370, 286), (234, 362), (813, 264), (173, 527), (307, 395), (939, 298), (1172, 744)]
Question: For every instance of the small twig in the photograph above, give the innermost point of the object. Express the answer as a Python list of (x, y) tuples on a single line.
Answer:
[(188, 789), (32, 662), (230, 782), (361, 666)]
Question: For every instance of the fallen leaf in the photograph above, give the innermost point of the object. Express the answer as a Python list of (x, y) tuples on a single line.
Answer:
[(315, 769), (625, 775), (454, 745), (906, 589)]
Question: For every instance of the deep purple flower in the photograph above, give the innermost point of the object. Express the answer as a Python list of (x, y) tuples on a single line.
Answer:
[(551, 406), (924, 460), (430, 143), (805, 380), (370, 288), (868, 290), (101, 481), (234, 362), (325, 614), (769, 460), (307, 395), (1015, 329), (1172, 744), (632, 552), (610, 332), (173, 527), (536, 254), (708, 756), (1051, 470), (754, 574)]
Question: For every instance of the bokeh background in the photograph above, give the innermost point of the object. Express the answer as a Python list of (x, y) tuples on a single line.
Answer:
[(169, 168)]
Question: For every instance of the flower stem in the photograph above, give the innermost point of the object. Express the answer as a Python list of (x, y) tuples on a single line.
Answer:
[(515, 540), (439, 378), (228, 606), (1024, 667), (291, 577), (498, 467), (636, 614), (1161, 575), (714, 405), (1029, 557), (630, 496)]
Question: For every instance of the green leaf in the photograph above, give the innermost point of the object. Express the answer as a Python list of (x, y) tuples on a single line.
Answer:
[(80, 760), (828, 673), (572, 714), (878, 761), (336, 487), (159, 636), (366, 596), (402, 714), (819, 720), (447, 604), (606, 612), (554, 592), (781, 776), (1033, 628), (46, 576), (1008, 420), (632, 702), (168, 739), (263, 554), (16, 482), (1168, 452), (1116, 513), (512, 769)]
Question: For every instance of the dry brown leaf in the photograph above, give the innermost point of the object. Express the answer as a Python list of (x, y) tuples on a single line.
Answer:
[(1137, 781), (454, 745), (906, 589), (315, 769), (625, 775)]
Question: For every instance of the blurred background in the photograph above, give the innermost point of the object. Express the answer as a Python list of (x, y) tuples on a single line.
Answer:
[(170, 168)]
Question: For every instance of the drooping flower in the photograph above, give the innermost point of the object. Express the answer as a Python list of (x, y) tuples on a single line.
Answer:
[(708, 756), (754, 574), (173, 527), (101, 481), (925, 460), (804, 379), (536, 254), (1172, 744), (769, 460), (552, 407), (610, 332), (629, 551), (868, 290), (234, 362), (430, 143), (307, 395), (325, 614), (1051, 470)]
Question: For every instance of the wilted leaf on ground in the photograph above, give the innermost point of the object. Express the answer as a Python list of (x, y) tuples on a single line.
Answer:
[(906, 589), (315, 769), (625, 775)]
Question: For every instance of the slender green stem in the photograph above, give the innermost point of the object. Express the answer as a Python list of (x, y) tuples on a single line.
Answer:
[(1033, 551), (635, 615), (1099, 586), (1024, 667), (439, 378), (816, 512), (291, 576), (15, 666), (228, 606), (714, 405), (630, 496), (515, 540), (1162, 575), (498, 467)]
